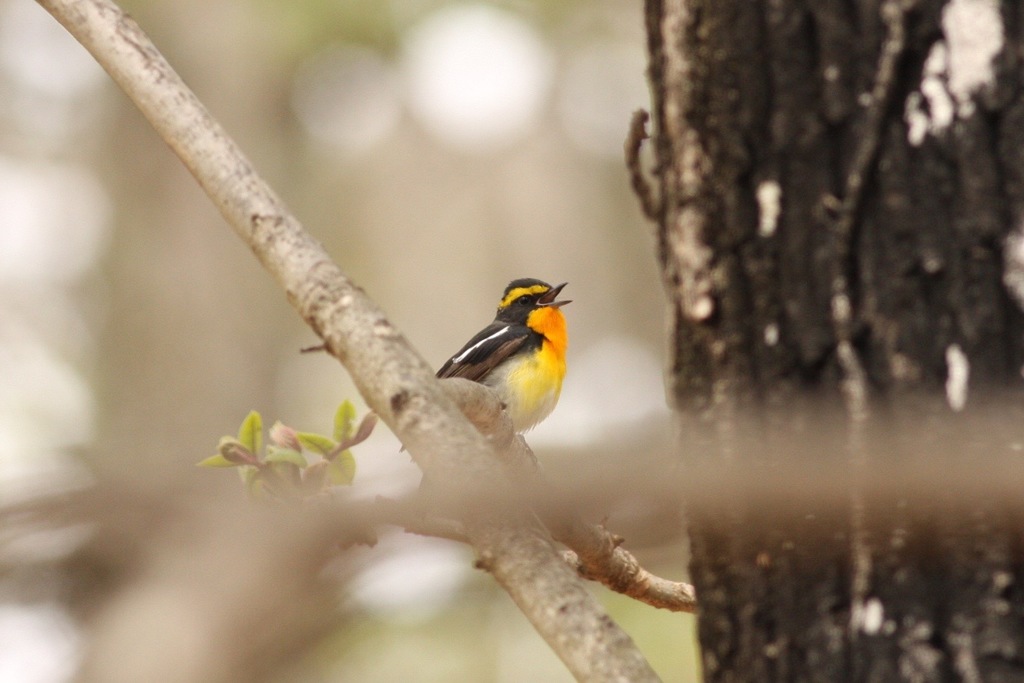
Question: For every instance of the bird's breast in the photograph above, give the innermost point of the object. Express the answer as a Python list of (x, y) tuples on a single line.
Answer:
[(530, 385)]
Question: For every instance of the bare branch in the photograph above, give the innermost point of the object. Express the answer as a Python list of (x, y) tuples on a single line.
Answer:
[(624, 575), (597, 555), (396, 383)]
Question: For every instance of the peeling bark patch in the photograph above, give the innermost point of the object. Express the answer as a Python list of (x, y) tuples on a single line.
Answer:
[(958, 371), (384, 329), (769, 205), (266, 229), (399, 401), (931, 110), (956, 69), (1013, 264), (694, 258), (873, 616), (974, 32)]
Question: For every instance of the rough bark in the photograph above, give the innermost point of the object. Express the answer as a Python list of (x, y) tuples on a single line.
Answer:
[(841, 193)]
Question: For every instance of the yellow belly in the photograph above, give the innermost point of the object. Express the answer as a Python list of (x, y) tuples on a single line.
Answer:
[(530, 387)]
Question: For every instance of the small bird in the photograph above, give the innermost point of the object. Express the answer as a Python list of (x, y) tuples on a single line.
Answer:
[(521, 354)]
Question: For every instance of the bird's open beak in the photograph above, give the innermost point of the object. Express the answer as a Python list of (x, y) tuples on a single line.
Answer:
[(548, 299)]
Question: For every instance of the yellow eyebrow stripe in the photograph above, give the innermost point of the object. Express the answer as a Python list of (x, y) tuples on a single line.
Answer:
[(520, 291)]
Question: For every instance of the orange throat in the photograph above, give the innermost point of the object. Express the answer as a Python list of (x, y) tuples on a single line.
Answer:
[(550, 322)]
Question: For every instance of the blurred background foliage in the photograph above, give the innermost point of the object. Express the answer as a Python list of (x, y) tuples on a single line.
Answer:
[(438, 150)]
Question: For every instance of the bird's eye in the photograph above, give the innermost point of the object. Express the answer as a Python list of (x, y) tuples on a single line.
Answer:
[(523, 300)]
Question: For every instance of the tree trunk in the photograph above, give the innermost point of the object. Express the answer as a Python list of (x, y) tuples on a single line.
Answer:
[(839, 189)]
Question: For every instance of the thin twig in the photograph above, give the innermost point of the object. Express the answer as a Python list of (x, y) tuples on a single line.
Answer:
[(649, 203), (598, 555), (848, 209), (855, 382)]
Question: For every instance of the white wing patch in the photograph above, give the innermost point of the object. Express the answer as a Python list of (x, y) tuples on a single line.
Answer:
[(462, 356)]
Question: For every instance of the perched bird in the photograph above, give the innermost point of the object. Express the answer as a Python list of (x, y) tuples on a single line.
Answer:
[(521, 354)]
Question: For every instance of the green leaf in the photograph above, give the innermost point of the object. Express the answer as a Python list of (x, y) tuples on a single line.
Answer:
[(250, 432), (318, 443), (342, 470), (278, 454), (362, 433), (343, 419), (233, 450), (217, 460)]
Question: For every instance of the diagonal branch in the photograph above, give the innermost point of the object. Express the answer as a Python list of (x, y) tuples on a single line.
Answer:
[(395, 382)]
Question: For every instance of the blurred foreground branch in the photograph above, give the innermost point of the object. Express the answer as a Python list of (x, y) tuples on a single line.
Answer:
[(595, 554), (395, 382)]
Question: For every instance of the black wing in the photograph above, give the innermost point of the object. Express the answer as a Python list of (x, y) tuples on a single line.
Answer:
[(486, 350)]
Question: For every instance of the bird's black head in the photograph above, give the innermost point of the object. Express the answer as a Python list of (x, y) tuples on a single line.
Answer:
[(524, 296)]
